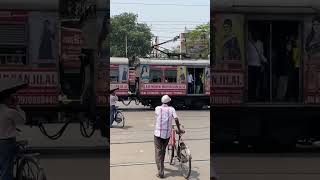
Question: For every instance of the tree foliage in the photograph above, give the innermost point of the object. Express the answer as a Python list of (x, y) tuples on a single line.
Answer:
[(197, 41), (138, 36)]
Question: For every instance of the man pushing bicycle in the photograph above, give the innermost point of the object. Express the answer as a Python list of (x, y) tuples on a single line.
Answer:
[(164, 117)]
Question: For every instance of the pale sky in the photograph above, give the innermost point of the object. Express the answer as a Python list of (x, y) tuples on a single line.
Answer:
[(167, 18)]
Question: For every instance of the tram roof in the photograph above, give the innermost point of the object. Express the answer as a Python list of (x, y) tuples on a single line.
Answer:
[(172, 62), (40, 5), (119, 60), (268, 6)]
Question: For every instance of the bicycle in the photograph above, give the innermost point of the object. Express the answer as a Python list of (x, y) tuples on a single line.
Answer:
[(27, 166), (178, 150), (119, 117)]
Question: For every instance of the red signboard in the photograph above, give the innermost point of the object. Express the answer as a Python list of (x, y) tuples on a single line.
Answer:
[(227, 87), (161, 89), (71, 42), (13, 16), (132, 75), (123, 88), (43, 85)]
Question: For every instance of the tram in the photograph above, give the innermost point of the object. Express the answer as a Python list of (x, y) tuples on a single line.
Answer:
[(54, 49), (279, 105), (152, 78)]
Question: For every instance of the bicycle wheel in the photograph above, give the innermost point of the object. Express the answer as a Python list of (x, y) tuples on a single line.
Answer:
[(87, 128), (120, 119), (28, 169), (185, 160), (171, 154)]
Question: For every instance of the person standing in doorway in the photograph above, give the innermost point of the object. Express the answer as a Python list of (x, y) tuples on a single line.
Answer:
[(10, 115), (286, 66), (256, 59), (294, 76), (165, 114), (190, 83)]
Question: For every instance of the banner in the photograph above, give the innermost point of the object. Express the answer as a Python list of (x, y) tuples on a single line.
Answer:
[(123, 73), (181, 74), (43, 33), (43, 85), (71, 43), (229, 38), (144, 76), (148, 87), (36, 77), (123, 89), (227, 76), (312, 60)]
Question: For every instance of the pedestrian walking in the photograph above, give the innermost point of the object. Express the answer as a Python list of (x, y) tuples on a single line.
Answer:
[(165, 114), (113, 100)]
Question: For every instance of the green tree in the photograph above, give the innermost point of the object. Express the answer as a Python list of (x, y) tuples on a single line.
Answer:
[(138, 36), (197, 41)]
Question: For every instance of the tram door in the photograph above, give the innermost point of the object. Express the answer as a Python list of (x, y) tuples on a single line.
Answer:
[(273, 59), (195, 80)]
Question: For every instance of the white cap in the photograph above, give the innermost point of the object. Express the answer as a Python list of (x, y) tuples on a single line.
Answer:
[(165, 99)]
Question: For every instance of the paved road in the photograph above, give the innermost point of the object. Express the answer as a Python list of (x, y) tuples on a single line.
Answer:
[(267, 166), (132, 148)]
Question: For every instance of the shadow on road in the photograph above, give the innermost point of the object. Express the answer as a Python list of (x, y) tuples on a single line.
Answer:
[(125, 127), (177, 173)]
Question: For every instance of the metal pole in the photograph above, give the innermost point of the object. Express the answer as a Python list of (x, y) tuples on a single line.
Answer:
[(126, 46)]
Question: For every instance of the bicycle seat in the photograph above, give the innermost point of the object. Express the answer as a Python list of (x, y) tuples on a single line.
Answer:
[(23, 143)]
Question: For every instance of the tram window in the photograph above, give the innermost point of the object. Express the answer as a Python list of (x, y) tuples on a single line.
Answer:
[(170, 76), (155, 76), (114, 75)]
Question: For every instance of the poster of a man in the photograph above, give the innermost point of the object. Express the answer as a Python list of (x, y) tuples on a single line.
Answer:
[(47, 36), (181, 74), (312, 46), (123, 73), (231, 49)]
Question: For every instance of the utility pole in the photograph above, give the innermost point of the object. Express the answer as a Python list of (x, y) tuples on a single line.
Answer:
[(126, 46)]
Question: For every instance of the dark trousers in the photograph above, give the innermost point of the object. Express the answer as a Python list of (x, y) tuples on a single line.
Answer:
[(160, 152), (293, 86), (190, 88), (7, 155), (113, 111), (254, 76)]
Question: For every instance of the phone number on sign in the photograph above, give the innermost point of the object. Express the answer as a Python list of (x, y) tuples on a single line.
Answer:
[(41, 99)]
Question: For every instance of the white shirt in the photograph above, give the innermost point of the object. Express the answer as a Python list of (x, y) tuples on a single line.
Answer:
[(190, 78), (253, 55), (8, 119), (164, 116), (113, 100)]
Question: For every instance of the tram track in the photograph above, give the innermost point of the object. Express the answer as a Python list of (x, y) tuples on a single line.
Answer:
[(150, 163), (150, 109), (152, 141)]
